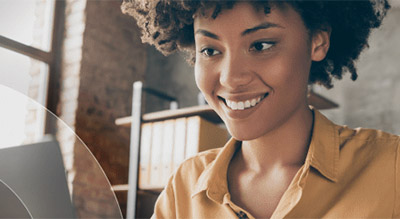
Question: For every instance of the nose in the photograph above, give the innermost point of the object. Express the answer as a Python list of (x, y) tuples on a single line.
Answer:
[(235, 72)]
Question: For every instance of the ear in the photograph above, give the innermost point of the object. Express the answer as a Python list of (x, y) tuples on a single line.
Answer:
[(320, 44)]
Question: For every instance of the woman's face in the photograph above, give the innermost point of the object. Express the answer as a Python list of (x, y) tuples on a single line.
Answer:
[(253, 67)]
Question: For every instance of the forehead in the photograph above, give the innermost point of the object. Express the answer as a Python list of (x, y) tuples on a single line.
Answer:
[(214, 8), (245, 14)]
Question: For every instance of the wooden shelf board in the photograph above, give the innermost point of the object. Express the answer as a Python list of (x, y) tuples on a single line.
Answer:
[(124, 121), (125, 187), (320, 102), (204, 111)]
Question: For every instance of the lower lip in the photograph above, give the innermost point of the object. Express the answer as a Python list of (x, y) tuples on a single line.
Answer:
[(241, 114)]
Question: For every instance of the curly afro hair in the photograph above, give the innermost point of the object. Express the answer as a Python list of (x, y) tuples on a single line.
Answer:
[(168, 25)]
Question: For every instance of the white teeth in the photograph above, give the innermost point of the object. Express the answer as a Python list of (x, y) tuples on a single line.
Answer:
[(253, 102), (234, 105), (241, 105), (228, 102), (247, 104)]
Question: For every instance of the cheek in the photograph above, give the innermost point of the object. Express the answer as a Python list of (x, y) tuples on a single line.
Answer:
[(199, 76), (203, 79), (289, 69), (279, 73)]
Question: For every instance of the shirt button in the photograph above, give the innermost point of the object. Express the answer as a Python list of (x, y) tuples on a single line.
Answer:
[(242, 215)]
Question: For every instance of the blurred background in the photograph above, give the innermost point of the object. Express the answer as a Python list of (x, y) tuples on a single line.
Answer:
[(79, 59)]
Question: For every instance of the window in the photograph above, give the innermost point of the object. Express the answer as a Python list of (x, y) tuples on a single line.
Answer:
[(30, 36)]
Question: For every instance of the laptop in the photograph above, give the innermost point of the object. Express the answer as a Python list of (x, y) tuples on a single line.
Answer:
[(11, 206), (33, 182)]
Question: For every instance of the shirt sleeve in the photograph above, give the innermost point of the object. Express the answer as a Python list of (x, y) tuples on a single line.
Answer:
[(396, 210), (165, 204)]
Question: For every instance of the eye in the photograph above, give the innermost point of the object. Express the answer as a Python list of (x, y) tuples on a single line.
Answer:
[(208, 52), (261, 46)]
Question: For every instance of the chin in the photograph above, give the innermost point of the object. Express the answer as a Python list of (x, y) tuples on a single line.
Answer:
[(244, 135)]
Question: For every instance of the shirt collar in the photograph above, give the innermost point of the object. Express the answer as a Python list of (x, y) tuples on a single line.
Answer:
[(213, 180), (323, 155), (323, 152)]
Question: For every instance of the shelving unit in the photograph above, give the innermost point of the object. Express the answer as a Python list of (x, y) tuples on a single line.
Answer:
[(135, 121)]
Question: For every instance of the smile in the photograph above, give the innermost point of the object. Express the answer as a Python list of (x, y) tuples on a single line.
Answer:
[(246, 104)]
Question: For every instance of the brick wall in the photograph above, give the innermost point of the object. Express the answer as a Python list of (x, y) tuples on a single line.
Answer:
[(113, 58), (171, 75), (72, 49), (102, 57)]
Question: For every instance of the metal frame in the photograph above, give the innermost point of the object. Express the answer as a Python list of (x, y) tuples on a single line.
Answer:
[(134, 150), (26, 50), (53, 88), (134, 153)]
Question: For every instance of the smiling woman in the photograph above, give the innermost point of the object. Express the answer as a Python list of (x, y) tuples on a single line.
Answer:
[(264, 59), (253, 62)]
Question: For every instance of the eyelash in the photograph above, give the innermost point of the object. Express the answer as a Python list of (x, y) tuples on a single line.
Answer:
[(252, 48), (203, 51)]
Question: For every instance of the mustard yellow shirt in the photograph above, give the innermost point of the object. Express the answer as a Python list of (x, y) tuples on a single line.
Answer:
[(348, 173)]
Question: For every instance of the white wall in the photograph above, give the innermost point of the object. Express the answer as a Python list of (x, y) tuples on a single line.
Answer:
[(373, 100)]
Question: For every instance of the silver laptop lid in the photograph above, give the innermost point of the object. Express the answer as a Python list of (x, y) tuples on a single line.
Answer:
[(36, 174)]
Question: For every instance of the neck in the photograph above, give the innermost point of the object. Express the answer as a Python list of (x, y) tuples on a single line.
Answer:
[(285, 146)]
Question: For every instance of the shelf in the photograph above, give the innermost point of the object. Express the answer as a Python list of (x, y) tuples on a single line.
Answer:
[(320, 102), (204, 111), (125, 187), (119, 188)]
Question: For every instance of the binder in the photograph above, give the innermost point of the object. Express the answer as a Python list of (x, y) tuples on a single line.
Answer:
[(166, 144), (203, 135), (179, 142), (167, 148), (145, 154), (156, 154)]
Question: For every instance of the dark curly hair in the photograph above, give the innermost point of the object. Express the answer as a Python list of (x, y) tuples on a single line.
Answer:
[(168, 25)]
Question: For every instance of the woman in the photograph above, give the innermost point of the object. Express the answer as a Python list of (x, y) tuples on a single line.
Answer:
[(253, 61)]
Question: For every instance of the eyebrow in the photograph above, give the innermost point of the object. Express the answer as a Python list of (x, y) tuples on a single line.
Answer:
[(264, 25), (207, 34)]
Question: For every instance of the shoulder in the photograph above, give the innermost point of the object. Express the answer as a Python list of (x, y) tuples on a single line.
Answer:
[(348, 137), (369, 146), (367, 137)]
